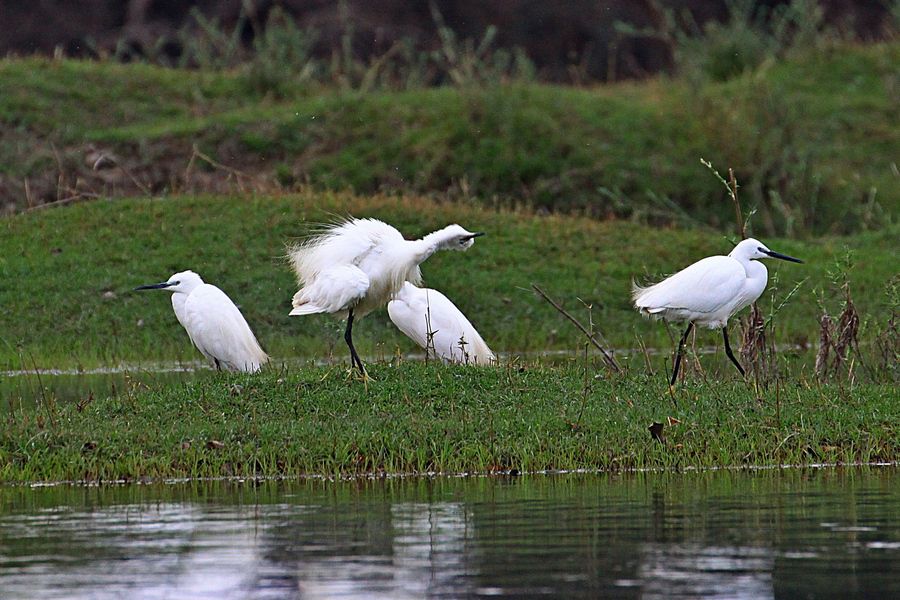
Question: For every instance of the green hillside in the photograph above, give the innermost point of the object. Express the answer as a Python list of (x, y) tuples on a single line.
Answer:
[(66, 275), (814, 140)]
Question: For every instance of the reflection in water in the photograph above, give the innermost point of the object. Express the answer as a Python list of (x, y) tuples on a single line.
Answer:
[(165, 551), (709, 572), (421, 552), (431, 547), (726, 535)]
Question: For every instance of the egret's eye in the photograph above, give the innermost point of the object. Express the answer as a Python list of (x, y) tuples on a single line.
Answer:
[(761, 249)]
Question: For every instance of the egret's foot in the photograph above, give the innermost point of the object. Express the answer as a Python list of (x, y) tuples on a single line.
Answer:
[(365, 377), (354, 373)]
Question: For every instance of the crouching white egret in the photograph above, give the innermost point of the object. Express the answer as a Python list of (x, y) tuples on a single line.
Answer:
[(709, 291), (357, 265), (432, 321), (215, 325)]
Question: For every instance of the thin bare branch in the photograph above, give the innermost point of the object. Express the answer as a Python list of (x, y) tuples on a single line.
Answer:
[(607, 357)]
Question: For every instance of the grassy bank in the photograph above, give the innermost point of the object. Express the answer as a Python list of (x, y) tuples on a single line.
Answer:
[(66, 277), (812, 139), (432, 418)]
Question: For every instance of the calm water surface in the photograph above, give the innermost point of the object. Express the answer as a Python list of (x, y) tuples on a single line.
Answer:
[(791, 534), (24, 388)]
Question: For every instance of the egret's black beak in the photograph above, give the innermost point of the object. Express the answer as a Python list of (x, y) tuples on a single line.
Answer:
[(473, 236), (155, 286), (782, 256)]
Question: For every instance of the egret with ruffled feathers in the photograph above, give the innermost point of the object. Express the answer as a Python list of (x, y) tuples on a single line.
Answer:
[(357, 265)]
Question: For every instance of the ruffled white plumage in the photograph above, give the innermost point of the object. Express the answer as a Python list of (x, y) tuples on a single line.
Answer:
[(331, 291), (357, 266), (357, 263)]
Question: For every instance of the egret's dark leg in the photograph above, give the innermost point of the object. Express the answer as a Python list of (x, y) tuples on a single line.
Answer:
[(680, 352), (729, 353), (218, 366), (348, 337)]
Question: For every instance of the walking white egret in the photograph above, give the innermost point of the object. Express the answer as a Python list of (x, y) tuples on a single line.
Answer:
[(432, 321), (709, 291), (357, 265), (215, 325)]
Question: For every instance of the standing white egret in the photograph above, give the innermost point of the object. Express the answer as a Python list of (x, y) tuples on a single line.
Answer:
[(357, 265), (432, 321), (709, 291), (215, 325)]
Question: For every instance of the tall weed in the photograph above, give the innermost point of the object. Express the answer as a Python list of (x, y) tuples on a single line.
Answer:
[(886, 363), (282, 57), (751, 34), (837, 338)]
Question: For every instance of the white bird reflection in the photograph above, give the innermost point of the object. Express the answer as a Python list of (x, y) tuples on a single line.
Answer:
[(142, 552), (430, 544), (694, 571)]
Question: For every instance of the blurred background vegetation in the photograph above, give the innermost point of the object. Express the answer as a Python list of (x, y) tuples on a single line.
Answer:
[(596, 108), (577, 40), (257, 117)]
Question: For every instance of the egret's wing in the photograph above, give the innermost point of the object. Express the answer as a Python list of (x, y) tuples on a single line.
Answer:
[(455, 337), (347, 242), (704, 287), (418, 312), (332, 290), (408, 312), (219, 330)]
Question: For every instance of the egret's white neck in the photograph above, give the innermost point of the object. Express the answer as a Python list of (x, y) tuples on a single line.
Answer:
[(754, 268), (434, 241)]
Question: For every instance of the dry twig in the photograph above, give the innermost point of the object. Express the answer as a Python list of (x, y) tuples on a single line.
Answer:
[(607, 357)]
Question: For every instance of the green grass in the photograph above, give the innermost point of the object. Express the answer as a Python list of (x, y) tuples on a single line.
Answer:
[(66, 277), (418, 418), (812, 139)]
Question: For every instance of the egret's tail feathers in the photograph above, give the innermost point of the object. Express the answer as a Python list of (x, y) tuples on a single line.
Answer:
[(481, 354), (306, 309), (637, 291), (644, 301), (257, 357), (251, 365)]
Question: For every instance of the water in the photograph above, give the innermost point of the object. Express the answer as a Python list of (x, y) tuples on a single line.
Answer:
[(810, 533), (25, 388)]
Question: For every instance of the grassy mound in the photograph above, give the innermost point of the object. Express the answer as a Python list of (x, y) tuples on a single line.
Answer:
[(441, 419), (66, 276), (811, 139)]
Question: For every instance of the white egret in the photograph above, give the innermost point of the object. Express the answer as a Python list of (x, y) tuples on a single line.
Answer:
[(357, 265), (215, 325), (709, 291), (432, 321)]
